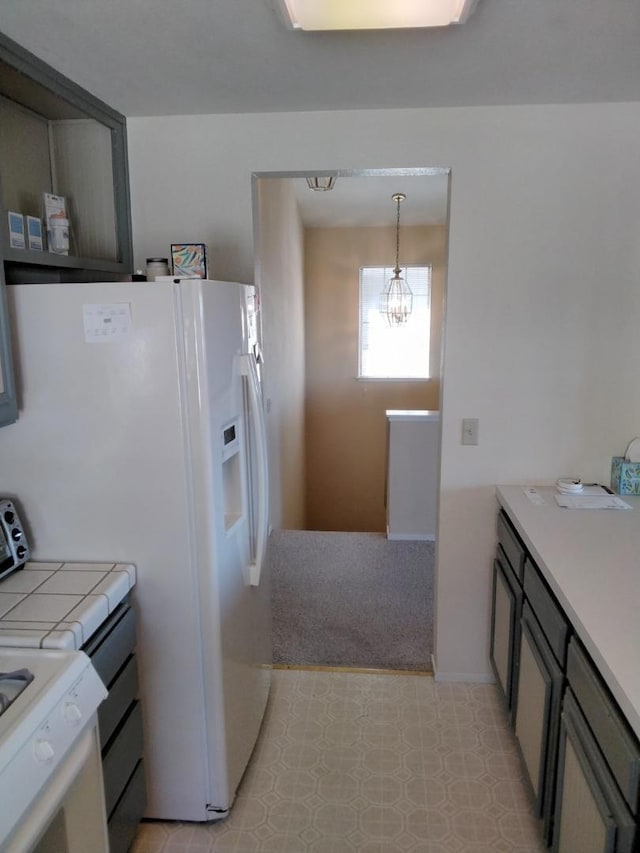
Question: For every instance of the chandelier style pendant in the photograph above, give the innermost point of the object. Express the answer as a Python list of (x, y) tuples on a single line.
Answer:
[(396, 301)]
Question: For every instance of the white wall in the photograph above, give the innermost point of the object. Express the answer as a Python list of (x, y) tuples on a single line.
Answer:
[(541, 340), (281, 282)]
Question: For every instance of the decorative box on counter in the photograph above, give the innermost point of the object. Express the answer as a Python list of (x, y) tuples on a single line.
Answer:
[(625, 476)]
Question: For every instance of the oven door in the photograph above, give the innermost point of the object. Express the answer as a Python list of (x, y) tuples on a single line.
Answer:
[(68, 816)]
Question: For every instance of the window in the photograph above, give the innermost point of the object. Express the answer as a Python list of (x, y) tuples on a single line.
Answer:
[(398, 352)]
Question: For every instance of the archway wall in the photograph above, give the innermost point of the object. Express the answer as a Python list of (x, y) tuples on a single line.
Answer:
[(542, 309)]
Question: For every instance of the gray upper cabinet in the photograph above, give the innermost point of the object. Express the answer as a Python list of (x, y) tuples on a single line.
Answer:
[(57, 138), (8, 402)]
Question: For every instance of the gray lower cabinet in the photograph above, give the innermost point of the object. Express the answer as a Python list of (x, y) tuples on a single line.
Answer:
[(578, 752), (598, 789), (507, 597), (507, 603), (112, 652), (537, 720), (591, 814)]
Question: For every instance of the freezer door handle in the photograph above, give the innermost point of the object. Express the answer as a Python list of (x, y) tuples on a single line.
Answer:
[(249, 369)]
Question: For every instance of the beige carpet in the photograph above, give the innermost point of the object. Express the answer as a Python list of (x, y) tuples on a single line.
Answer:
[(351, 599)]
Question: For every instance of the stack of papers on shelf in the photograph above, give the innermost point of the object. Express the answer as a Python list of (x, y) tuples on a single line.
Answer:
[(591, 501)]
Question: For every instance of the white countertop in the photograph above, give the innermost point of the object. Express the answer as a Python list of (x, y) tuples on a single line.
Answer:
[(60, 605), (591, 560)]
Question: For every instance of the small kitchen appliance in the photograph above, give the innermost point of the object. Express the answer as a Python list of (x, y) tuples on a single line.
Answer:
[(14, 548)]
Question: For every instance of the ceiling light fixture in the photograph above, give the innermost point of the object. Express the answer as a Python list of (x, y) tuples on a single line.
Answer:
[(321, 183), (396, 301), (375, 14)]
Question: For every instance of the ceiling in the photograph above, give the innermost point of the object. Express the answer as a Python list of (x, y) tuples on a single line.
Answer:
[(365, 200), (159, 57)]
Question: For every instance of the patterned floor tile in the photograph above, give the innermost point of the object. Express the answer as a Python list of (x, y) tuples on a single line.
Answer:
[(369, 763)]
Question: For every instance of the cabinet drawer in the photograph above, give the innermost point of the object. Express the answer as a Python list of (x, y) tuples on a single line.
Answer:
[(122, 693), (505, 629), (547, 612), (128, 812), (611, 732), (121, 758), (590, 814), (511, 545), (111, 648)]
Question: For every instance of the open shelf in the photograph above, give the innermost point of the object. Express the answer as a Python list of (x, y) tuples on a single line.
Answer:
[(49, 259), (57, 138)]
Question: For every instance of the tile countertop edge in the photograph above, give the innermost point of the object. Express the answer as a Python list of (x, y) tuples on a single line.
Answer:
[(88, 606), (575, 578)]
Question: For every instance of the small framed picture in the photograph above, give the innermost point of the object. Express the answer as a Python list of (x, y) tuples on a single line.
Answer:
[(34, 233), (189, 260), (16, 230)]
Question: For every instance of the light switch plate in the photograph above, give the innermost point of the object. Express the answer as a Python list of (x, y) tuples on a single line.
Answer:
[(470, 428)]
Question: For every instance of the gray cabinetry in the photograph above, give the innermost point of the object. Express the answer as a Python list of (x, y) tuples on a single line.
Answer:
[(507, 597), (112, 652), (537, 719), (8, 401), (578, 752), (598, 788), (57, 138)]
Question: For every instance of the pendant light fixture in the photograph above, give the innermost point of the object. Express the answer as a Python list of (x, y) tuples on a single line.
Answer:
[(321, 183), (396, 301)]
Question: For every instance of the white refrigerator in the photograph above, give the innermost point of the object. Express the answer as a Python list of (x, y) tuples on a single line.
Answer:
[(140, 439)]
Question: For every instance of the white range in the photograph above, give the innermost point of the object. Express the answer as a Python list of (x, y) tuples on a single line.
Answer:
[(50, 770)]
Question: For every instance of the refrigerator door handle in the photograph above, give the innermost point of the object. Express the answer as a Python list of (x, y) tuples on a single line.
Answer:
[(255, 402)]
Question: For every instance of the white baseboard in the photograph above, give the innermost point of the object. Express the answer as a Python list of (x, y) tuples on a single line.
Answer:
[(470, 677), (411, 537)]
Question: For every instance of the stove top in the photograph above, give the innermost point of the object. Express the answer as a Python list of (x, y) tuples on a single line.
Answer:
[(11, 686)]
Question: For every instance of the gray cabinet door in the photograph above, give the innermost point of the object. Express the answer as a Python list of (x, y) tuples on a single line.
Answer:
[(591, 816), (505, 629), (8, 402), (538, 714)]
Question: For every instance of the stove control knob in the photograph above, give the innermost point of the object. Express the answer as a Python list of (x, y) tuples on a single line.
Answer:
[(43, 752), (72, 713)]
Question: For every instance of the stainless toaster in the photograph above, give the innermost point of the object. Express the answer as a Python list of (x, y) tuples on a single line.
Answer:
[(14, 548)]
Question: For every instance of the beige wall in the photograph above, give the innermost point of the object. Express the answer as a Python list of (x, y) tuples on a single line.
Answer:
[(280, 279), (345, 417)]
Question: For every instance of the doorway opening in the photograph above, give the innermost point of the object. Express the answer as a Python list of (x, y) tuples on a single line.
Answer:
[(330, 428)]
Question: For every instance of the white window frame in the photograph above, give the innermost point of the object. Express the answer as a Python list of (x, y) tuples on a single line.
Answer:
[(369, 313)]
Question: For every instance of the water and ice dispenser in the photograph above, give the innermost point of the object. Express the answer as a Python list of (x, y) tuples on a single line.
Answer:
[(231, 473)]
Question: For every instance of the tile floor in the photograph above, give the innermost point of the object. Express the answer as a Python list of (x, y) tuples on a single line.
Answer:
[(373, 764)]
